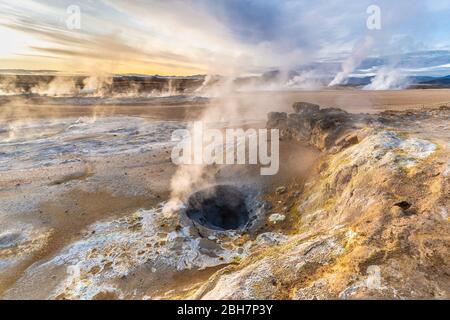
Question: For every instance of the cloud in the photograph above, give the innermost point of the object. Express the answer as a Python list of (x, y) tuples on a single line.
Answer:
[(222, 36)]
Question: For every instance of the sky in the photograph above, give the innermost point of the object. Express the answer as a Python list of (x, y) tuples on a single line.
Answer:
[(229, 37)]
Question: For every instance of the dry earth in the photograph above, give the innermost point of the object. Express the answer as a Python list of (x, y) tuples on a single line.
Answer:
[(367, 216)]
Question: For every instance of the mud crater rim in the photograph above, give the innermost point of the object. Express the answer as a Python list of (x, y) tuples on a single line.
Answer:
[(219, 207)]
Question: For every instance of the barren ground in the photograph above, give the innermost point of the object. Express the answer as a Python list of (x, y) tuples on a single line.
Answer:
[(67, 198)]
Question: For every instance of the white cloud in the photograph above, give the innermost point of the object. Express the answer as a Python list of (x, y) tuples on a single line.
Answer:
[(223, 36)]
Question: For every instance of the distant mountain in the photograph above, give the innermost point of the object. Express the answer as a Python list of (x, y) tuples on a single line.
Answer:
[(358, 81), (443, 82), (415, 81)]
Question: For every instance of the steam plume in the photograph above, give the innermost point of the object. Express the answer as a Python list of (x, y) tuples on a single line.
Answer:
[(360, 51), (388, 79)]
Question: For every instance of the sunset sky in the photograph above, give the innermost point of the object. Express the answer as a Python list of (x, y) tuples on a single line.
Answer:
[(221, 36)]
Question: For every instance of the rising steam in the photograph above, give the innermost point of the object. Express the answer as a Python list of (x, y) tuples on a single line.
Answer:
[(388, 79), (360, 51)]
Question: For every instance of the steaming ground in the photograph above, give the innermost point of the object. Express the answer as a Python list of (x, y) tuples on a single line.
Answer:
[(82, 184)]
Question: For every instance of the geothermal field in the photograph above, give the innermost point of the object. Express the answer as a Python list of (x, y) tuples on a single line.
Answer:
[(245, 151), (92, 207)]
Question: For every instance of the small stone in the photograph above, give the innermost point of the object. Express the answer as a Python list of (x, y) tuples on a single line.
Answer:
[(270, 238), (276, 217), (280, 190)]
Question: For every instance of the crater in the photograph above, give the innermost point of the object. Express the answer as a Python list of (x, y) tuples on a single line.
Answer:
[(220, 207)]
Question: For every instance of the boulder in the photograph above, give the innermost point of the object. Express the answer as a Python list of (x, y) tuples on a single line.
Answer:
[(305, 107), (277, 120), (321, 128)]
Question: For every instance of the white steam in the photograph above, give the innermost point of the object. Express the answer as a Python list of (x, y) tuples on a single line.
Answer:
[(8, 86), (308, 80), (59, 86), (360, 51), (388, 79), (97, 85)]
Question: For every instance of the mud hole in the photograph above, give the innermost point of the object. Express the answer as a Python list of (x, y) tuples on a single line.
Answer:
[(220, 207)]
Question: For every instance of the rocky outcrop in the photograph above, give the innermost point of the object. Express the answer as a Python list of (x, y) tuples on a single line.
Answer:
[(327, 129), (305, 107)]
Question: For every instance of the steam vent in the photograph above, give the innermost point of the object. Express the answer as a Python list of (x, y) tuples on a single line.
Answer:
[(220, 207)]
